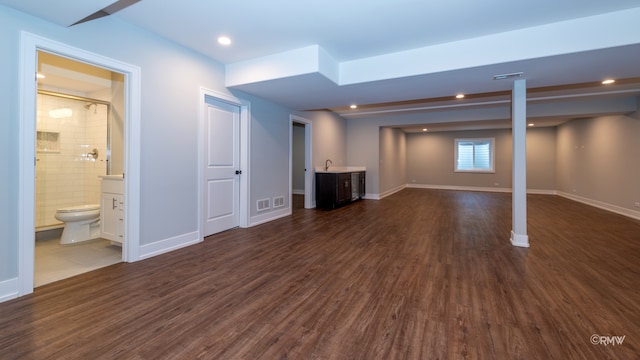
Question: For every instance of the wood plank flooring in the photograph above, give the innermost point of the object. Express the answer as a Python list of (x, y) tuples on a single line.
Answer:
[(422, 274)]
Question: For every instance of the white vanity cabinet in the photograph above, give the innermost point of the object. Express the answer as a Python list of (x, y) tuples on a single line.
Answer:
[(112, 208)]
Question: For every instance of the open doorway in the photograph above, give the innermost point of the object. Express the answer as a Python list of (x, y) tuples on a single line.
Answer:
[(300, 164), (128, 78), (298, 168), (79, 141)]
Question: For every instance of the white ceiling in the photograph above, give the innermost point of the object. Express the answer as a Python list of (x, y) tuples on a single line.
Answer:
[(329, 54)]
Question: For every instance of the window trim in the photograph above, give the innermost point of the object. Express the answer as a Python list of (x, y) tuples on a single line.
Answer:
[(476, 141)]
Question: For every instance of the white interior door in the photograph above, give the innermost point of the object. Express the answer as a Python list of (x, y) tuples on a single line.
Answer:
[(222, 168)]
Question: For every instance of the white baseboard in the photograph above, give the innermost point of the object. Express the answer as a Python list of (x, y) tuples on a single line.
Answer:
[(297, 191), (519, 240), (170, 244), (8, 289), (542, 192), (450, 187), (270, 216), (459, 188), (479, 188), (602, 205), (391, 191)]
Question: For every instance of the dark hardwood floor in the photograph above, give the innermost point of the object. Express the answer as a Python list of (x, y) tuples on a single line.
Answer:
[(422, 274)]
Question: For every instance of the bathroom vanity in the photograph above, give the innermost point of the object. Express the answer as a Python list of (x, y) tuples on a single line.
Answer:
[(338, 186), (112, 208)]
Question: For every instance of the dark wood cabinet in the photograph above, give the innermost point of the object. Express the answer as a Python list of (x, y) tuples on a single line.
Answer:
[(337, 189)]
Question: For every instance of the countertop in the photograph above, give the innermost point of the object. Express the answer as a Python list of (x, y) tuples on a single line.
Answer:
[(112, 177), (340, 169)]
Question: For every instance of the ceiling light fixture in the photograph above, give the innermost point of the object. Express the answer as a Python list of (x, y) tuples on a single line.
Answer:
[(507, 76), (424, 129), (223, 40), (40, 76), (460, 96), (530, 124), (608, 81), (354, 106)]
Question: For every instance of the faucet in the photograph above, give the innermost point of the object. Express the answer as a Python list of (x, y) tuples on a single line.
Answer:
[(326, 164), (93, 154)]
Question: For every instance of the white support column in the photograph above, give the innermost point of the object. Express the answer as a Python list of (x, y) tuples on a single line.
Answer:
[(519, 235)]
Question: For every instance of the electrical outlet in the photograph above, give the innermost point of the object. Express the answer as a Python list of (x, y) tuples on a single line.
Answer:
[(637, 204)]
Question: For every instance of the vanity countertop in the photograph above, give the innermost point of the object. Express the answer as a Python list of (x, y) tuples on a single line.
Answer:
[(340, 169), (112, 177)]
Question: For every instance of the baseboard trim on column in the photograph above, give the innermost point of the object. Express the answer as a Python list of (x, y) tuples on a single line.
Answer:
[(519, 240)]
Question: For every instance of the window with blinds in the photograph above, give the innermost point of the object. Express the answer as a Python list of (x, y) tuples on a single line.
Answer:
[(474, 155)]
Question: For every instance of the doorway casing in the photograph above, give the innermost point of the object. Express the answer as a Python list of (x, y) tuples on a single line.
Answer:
[(29, 46), (308, 173)]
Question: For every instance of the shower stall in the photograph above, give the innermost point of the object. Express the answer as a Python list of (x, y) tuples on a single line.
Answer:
[(73, 137)]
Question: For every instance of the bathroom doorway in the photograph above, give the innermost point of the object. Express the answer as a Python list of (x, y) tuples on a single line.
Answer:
[(300, 165), (31, 46), (79, 139)]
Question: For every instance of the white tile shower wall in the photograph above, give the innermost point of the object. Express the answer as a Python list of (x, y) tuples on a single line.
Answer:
[(69, 177)]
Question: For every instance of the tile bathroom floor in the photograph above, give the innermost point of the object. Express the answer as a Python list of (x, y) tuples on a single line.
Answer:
[(55, 262)]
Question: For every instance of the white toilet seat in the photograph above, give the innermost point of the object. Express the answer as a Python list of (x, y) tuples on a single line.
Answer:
[(81, 223), (79, 208)]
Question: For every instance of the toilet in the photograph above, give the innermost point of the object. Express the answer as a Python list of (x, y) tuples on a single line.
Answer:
[(81, 223)]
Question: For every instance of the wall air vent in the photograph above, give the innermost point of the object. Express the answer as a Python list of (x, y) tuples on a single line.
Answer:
[(264, 204), (278, 201)]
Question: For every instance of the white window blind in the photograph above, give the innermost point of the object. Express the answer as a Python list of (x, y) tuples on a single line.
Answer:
[(474, 155)]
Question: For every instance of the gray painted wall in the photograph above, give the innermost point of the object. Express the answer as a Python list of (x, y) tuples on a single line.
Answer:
[(328, 139), (363, 149), (393, 158), (9, 113), (541, 158), (430, 159), (599, 159), (269, 151)]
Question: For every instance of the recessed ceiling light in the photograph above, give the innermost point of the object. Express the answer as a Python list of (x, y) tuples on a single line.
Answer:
[(460, 96), (530, 124), (608, 81), (424, 129), (223, 40), (354, 106), (40, 76)]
